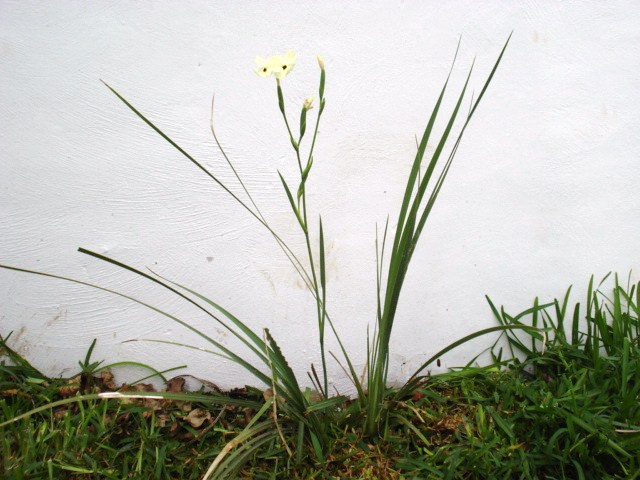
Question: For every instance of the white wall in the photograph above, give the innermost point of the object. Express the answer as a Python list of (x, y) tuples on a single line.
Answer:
[(543, 192)]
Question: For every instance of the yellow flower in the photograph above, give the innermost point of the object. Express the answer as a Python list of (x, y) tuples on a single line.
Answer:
[(282, 65), (265, 68), (320, 62), (277, 65), (308, 103)]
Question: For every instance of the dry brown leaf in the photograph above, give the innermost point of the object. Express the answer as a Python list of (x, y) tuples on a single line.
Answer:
[(268, 394), (138, 387), (174, 427), (71, 388), (176, 385), (107, 379), (197, 417), (59, 413), (162, 419)]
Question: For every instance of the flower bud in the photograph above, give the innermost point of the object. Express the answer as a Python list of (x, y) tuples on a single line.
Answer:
[(320, 62), (308, 103)]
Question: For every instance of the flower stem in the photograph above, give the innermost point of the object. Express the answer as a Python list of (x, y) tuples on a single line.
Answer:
[(302, 207)]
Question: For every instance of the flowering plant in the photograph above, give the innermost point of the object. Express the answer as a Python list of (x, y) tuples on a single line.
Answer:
[(304, 416), (414, 212)]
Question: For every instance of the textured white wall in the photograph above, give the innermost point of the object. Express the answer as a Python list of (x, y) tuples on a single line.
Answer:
[(543, 192)]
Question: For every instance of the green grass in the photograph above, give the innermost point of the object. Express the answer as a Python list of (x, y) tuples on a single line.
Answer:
[(570, 411)]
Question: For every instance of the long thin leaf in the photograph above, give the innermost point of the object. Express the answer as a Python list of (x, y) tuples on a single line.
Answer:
[(256, 340), (415, 378), (237, 359), (257, 215), (292, 203)]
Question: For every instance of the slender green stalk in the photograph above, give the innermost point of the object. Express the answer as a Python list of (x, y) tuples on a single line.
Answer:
[(300, 210)]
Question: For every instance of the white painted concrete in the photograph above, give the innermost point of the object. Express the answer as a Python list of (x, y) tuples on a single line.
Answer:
[(543, 192)]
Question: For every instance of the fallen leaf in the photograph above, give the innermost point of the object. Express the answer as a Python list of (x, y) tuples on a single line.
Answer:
[(176, 385), (174, 426), (107, 379), (138, 387), (59, 413), (71, 388), (197, 417)]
